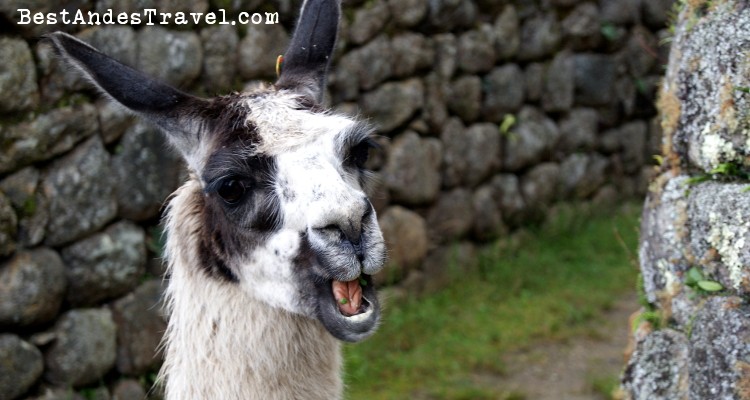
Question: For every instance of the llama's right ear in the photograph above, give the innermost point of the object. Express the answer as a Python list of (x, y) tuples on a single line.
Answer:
[(168, 108), (306, 61)]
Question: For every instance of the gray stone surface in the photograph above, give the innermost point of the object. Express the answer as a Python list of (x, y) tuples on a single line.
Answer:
[(582, 27), (666, 353), (8, 226), (368, 21), (128, 389), (712, 115), (582, 174), (412, 172), (540, 36), (718, 226), (509, 198), (465, 98), (220, 56), (105, 265), (507, 33), (578, 130), (31, 208), (17, 76), (435, 109), (448, 15), (116, 41), (451, 217), (393, 103), (639, 51), (407, 13), (558, 91), (21, 364), (81, 193), (533, 79), (175, 57), (114, 119), (664, 235), (372, 63), (46, 136), (446, 54), (411, 52), (621, 11), (488, 221), (83, 349), (140, 326), (503, 91), (530, 140), (595, 76), (258, 50), (476, 49), (720, 349), (406, 239), (32, 283), (469, 154), (540, 186), (146, 169)]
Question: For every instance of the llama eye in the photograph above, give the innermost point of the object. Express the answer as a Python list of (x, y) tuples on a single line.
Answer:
[(231, 190), (359, 154)]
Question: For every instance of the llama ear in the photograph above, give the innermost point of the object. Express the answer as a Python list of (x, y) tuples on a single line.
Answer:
[(161, 104), (309, 54)]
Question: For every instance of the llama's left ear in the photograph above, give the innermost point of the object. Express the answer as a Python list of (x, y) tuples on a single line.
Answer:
[(306, 60), (163, 105)]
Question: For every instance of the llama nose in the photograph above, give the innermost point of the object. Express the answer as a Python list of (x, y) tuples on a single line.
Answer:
[(349, 229)]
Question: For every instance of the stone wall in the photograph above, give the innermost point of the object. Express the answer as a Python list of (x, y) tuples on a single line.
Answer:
[(692, 338), (488, 111)]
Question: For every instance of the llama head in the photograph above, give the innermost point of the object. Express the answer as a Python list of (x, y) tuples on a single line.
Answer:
[(284, 214)]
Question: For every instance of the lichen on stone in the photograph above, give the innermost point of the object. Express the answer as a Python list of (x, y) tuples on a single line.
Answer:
[(729, 241)]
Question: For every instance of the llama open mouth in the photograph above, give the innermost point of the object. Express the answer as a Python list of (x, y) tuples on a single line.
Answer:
[(348, 296), (349, 309)]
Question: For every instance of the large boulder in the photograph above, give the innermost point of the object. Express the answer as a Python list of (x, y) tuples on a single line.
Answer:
[(147, 170), (412, 172), (21, 364), (105, 265), (82, 349), (392, 104), (406, 239), (530, 140), (469, 154), (46, 136), (81, 193), (175, 57), (33, 286), (140, 326), (17, 76)]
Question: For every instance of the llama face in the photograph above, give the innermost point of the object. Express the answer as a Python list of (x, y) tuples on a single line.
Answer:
[(283, 212), (286, 216)]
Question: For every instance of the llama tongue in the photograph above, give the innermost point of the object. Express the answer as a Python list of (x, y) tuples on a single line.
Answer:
[(348, 296)]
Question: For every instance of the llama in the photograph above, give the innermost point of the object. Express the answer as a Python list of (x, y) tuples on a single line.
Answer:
[(272, 242)]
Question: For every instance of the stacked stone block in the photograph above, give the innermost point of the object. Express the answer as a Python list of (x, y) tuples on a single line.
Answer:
[(692, 339)]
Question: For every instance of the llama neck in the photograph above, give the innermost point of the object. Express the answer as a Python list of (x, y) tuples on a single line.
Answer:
[(222, 344)]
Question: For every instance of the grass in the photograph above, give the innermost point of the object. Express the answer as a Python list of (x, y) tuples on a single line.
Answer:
[(552, 284)]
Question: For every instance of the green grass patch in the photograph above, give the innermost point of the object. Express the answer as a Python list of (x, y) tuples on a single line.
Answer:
[(552, 284)]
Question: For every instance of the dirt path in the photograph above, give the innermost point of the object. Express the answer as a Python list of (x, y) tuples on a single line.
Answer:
[(569, 370)]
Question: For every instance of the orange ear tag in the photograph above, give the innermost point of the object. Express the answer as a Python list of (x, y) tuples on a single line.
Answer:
[(279, 61)]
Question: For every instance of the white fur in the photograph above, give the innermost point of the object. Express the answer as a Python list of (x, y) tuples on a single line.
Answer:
[(223, 343)]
